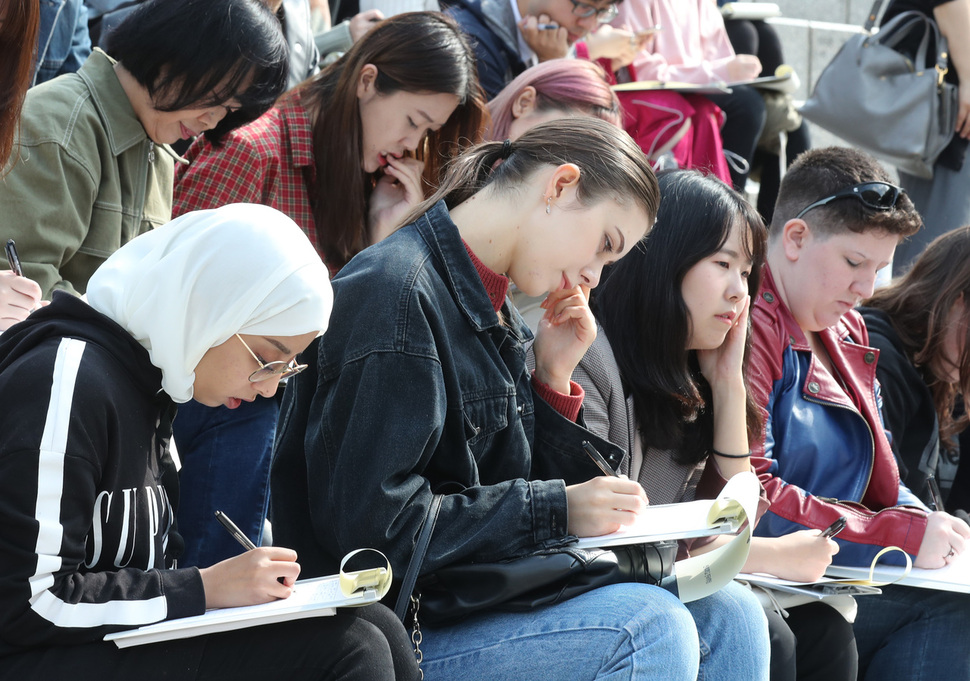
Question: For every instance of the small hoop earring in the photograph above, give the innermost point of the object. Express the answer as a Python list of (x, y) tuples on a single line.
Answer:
[(549, 206)]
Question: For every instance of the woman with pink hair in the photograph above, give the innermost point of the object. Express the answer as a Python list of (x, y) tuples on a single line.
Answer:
[(554, 89)]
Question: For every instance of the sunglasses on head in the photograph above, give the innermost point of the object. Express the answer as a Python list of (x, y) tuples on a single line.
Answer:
[(874, 195)]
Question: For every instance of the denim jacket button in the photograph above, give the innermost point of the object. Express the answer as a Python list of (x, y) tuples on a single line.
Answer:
[(519, 409), (813, 387), (870, 357)]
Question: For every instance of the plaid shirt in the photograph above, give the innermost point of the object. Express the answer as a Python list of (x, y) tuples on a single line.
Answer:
[(263, 162)]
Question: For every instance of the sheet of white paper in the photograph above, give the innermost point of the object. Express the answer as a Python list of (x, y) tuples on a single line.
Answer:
[(310, 598), (953, 577), (662, 522)]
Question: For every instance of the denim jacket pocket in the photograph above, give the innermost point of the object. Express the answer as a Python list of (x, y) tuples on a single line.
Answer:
[(483, 417)]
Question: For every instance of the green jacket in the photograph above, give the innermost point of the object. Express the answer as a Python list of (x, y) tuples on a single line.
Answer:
[(87, 181)]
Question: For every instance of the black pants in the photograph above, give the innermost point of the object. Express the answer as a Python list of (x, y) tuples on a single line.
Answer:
[(353, 645), (814, 643), (744, 111), (761, 39)]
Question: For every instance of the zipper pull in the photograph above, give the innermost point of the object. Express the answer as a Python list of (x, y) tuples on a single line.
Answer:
[(151, 151)]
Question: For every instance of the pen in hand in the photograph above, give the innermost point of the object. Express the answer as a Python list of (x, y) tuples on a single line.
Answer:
[(13, 258), (235, 531), (935, 492), (834, 528), (599, 460)]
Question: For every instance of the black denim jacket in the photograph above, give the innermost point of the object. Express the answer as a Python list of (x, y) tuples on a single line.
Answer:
[(415, 389)]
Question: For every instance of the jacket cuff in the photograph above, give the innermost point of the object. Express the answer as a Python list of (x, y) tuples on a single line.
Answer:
[(567, 405), (550, 517), (183, 592)]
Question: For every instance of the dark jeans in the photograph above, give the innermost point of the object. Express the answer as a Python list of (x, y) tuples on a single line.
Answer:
[(225, 457), (353, 645), (761, 39), (909, 633)]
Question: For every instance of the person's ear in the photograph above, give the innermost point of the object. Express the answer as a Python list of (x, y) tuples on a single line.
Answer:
[(562, 184), (525, 103), (795, 235), (366, 82)]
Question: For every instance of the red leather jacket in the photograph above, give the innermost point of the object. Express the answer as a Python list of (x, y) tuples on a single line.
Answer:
[(825, 453)]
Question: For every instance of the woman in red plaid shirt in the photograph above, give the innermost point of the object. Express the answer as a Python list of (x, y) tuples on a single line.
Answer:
[(346, 155), (348, 152)]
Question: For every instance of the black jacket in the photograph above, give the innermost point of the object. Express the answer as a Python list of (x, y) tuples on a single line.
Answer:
[(87, 487), (908, 409)]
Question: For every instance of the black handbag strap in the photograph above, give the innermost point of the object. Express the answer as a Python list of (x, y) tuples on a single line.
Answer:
[(873, 14), (417, 558)]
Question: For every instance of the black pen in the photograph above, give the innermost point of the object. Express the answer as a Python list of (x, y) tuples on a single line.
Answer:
[(599, 460), (235, 531), (13, 258), (834, 528), (935, 492)]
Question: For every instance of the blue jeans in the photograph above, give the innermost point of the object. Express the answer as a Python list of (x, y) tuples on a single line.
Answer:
[(624, 631), (733, 633), (225, 457), (913, 634)]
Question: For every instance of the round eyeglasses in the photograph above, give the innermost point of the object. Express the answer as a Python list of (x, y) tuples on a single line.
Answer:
[(874, 195), (268, 370), (585, 10)]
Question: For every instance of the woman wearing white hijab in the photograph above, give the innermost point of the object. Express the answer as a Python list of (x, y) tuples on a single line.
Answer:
[(215, 305)]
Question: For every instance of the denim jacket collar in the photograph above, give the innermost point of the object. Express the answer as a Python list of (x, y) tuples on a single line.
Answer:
[(457, 269)]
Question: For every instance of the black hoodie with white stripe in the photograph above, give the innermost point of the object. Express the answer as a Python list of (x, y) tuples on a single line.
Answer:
[(87, 487)]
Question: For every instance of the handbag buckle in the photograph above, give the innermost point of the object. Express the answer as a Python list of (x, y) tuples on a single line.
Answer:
[(941, 72)]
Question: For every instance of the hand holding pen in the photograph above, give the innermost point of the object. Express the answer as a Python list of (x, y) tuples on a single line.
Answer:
[(604, 503), (19, 296), (259, 575)]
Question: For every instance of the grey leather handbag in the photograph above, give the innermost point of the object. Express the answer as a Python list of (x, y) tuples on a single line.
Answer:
[(894, 105)]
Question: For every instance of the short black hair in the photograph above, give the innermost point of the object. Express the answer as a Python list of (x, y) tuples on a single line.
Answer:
[(819, 173), (200, 53)]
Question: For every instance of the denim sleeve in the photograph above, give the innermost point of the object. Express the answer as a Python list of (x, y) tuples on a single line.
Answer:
[(384, 434), (491, 57)]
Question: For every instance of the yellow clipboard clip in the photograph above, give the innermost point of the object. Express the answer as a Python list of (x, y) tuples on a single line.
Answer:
[(358, 581)]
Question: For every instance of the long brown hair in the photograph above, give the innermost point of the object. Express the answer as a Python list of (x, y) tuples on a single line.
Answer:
[(18, 42), (420, 52), (918, 305)]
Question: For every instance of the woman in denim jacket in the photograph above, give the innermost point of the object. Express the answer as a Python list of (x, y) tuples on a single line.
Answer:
[(421, 387)]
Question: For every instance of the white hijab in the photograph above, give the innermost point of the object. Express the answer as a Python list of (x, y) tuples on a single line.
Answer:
[(190, 285)]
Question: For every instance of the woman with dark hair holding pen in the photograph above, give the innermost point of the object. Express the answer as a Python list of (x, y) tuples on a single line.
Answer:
[(346, 155), (213, 306), (100, 169), (664, 380)]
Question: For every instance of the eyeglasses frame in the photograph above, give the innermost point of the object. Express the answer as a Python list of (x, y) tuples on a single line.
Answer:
[(290, 368), (603, 15)]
